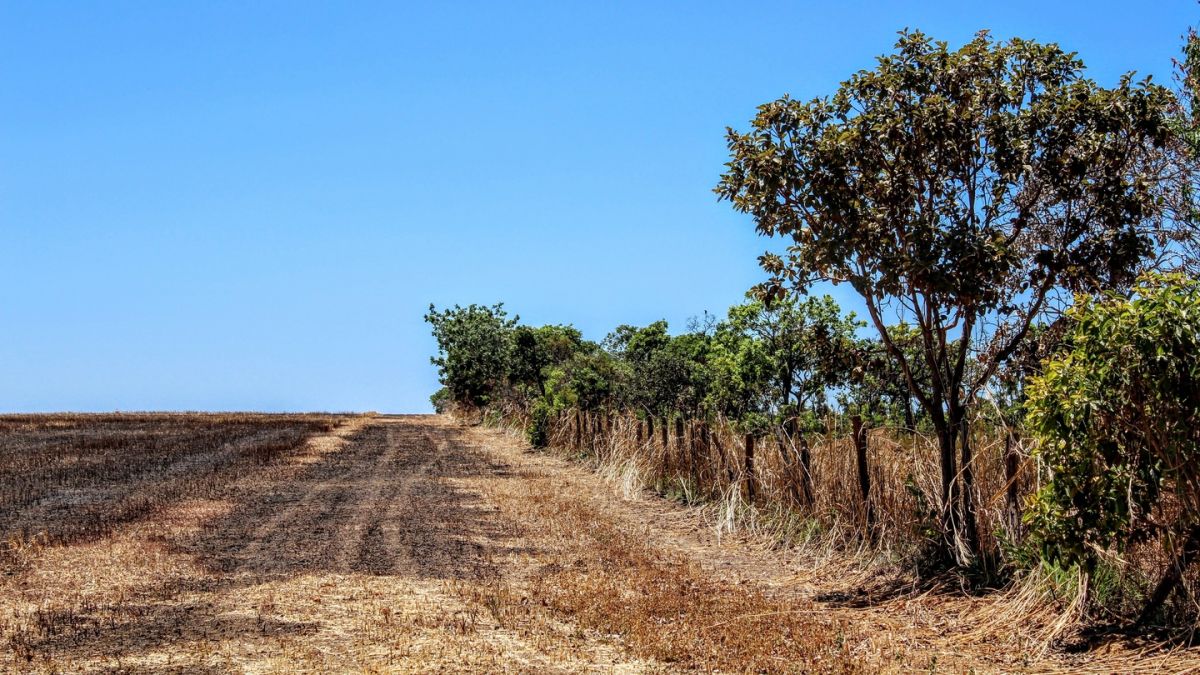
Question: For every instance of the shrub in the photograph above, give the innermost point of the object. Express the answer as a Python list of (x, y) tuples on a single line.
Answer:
[(1117, 415), (538, 431)]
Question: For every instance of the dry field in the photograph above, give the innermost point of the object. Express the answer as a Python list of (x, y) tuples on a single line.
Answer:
[(243, 543)]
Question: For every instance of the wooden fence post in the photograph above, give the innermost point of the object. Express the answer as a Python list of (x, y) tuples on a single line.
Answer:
[(864, 475), (1012, 464), (680, 447), (806, 481), (666, 443), (730, 477), (749, 468)]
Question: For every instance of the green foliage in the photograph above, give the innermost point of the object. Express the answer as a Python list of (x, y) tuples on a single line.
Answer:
[(971, 175), (441, 400), (961, 191), (536, 350), (961, 188), (878, 390), (1117, 414), (740, 372), (474, 350), (1186, 121), (774, 363), (538, 432), (587, 380), (665, 374)]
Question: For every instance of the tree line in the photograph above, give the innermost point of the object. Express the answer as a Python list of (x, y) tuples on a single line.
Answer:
[(1024, 242)]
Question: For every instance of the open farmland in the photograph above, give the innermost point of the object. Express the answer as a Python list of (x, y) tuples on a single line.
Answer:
[(241, 543)]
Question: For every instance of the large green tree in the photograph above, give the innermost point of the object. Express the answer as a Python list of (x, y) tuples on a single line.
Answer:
[(965, 192), (801, 347), (474, 350)]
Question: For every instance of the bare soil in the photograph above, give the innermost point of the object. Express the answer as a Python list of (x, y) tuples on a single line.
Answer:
[(394, 544)]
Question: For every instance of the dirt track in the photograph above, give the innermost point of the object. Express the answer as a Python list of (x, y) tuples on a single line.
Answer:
[(367, 550), (417, 544)]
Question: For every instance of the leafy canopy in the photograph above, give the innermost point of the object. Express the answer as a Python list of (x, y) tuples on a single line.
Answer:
[(474, 350), (957, 187)]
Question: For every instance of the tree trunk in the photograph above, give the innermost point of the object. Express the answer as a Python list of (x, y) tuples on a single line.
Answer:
[(578, 429), (970, 530), (949, 524), (749, 467), (1012, 501), (910, 421), (680, 447), (864, 475), (805, 467), (639, 432), (649, 429), (1184, 556)]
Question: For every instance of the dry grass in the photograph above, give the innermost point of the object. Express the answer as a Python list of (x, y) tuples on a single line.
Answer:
[(1031, 624), (905, 496), (664, 606), (903, 470)]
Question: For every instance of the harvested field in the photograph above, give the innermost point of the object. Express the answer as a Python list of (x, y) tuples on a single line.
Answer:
[(241, 543)]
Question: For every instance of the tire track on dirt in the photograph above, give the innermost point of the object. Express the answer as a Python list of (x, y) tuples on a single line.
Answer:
[(293, 525), (372, 541)]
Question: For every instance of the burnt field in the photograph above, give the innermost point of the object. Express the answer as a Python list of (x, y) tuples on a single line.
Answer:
[(70, 478)]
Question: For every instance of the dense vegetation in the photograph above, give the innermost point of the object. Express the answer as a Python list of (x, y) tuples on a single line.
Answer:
[(1007, 223)]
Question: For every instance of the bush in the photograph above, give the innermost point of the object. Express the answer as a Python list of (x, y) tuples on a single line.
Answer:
[(538, 431), (474, 350), (1117, 415), (441, 400)]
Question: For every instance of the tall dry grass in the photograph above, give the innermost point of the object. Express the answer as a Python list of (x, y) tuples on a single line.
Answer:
[(832, 527), (707, 466)]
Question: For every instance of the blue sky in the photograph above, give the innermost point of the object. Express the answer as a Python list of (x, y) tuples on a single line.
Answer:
[(216, 206)]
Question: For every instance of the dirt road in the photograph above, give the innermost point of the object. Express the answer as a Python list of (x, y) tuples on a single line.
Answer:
[(417, 544), (370, 550)]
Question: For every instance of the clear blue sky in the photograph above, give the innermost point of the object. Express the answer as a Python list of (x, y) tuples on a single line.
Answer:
[(250, 205)]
